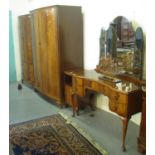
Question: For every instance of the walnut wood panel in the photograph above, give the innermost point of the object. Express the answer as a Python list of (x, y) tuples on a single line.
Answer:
[(46, 52), (26, 49), (43, 51), (36, 49), (57, 45), (53, 56)]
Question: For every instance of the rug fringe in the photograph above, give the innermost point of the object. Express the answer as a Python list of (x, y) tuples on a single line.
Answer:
[(85, 134)]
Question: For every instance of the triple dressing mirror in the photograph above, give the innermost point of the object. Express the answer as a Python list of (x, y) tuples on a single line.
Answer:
[(121, 49)]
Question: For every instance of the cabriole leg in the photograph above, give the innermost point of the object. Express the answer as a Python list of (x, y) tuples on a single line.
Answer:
[(125, 126)]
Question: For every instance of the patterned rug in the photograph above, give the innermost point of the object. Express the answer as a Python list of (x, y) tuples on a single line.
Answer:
[(53, 135)]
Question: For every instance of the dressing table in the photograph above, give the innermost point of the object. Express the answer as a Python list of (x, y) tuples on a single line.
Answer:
[(124, 97), (118, 74)]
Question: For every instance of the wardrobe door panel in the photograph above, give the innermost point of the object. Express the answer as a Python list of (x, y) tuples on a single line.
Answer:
[(43, 51), (53, 54), (36, 49), (29, 40), (26, 48), (46, 55)]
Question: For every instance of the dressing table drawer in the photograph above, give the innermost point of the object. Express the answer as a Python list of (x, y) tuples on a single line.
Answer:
[(79, 82), (92, 85), (79, 86), (95, 86), (87, 83)]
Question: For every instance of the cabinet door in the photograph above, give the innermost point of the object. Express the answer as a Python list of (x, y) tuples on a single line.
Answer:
[(46, 55), (28, 37), (29, 57), (26, 48), (53, 53), (36, 48), (43, 51)]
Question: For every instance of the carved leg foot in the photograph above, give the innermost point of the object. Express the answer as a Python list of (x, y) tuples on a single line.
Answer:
[(123, 148), (91, 103), (125, 126)]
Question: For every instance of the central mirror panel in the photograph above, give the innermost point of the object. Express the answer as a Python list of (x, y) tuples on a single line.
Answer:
[(125, 33)]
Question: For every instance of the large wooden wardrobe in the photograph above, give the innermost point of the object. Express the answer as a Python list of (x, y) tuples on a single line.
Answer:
[(26, 49), (57, 45)]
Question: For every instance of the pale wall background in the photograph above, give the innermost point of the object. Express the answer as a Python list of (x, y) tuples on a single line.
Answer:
[(97, 14)]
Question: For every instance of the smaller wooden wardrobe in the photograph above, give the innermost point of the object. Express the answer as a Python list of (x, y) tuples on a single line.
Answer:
[(26, 49), (57, 45)]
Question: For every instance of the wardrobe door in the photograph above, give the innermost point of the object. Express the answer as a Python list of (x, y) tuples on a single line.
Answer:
[(26, 49), (53, 54), (36, 48), (43, 52), (29, 56), (28, 37), (46, 55)]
